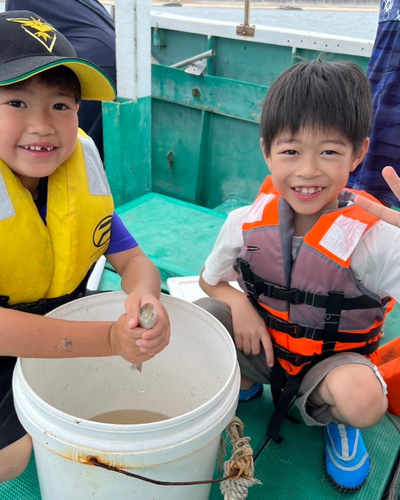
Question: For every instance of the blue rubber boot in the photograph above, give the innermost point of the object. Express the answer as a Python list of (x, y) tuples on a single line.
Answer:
[(346, 457), (254, 392)]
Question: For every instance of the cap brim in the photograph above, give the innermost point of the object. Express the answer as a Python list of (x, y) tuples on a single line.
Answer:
[(95, 84)]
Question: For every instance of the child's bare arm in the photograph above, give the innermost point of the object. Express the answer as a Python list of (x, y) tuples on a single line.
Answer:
[(141, 281), (248, 326), (28, 335)]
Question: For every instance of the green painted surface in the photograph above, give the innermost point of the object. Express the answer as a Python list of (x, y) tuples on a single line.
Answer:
[(170, 47), (177, 236), (236, 166), (127, 147), (24, 487), (176, 150), (210, 163), (231, 203), (293, 469), (242, 60), (249, 61), (210, 93), (110, 281)]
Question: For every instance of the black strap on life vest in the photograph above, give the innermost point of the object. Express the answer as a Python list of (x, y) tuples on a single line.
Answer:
[(283, 390), (297, 331), (333, 303), (44, 306), (331, 321), (257, 286), (284, 387)]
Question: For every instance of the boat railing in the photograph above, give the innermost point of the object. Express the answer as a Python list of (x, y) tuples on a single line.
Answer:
[(296, 39)]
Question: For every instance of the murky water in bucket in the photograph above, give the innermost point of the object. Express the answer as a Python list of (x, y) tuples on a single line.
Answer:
[(129, 417)]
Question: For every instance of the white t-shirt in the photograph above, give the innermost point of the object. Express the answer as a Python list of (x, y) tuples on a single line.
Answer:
[(375, 261)]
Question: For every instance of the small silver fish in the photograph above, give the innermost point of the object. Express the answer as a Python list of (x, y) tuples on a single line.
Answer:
[(147, 319)]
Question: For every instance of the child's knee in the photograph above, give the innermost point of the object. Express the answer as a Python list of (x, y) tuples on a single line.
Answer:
[(358, 393), (15, 458)]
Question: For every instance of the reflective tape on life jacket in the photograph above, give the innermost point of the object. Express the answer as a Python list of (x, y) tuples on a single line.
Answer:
[(41, 261), (313, 306)]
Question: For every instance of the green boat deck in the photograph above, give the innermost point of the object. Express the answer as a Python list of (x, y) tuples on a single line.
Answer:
[(291, 470)]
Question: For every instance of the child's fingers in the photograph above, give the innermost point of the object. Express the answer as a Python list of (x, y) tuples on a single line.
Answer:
[(370, 206), (239, 342), (247, 346), (268, 348), (154, 345), (255, 346), (386, 214), (132, 307), (392, 180)]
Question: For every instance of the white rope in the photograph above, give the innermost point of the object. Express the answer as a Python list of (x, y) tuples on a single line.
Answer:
[(241, 463), (237, 489)]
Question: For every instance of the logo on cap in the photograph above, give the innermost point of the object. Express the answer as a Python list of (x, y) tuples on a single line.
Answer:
[(40, 31)]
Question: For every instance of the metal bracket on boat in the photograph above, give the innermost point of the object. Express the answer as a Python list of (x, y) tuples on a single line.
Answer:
[(246, 29), (196, 64), (197, 68)]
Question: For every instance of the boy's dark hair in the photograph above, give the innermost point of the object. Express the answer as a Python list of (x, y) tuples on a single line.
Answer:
[(59, 76), (321, 95)]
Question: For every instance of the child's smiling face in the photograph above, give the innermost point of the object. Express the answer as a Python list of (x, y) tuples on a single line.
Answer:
[(38, 129), (310, 169)]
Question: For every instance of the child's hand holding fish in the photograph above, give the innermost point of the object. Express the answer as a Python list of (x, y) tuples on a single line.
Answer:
[(130, 340)]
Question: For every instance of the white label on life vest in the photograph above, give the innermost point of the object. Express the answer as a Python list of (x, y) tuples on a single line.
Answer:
[(257, 210), (6, 207), (98, 184), (342, 237)]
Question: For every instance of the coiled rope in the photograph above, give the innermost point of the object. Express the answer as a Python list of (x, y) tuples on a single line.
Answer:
[(241, 464)]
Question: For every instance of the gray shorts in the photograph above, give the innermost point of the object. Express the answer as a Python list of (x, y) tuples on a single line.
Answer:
[(255, 367)]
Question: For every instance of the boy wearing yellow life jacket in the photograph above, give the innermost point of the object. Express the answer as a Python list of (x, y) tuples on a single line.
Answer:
[(316, 269), (56, 219)]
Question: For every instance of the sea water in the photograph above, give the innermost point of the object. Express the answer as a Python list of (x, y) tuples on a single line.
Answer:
[(355, 24)]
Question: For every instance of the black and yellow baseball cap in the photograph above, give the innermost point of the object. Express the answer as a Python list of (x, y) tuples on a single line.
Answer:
[(30, 45)]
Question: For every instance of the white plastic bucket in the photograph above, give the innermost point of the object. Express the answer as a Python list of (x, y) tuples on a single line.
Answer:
[(195, 380)]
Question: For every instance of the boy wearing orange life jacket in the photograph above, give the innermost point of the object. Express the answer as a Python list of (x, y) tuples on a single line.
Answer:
[(317, 273), (57, 219)]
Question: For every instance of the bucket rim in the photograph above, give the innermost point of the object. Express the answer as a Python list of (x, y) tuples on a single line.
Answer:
[(193, 414)]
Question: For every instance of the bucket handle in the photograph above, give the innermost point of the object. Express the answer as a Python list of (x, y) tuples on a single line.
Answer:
[(239, 469)]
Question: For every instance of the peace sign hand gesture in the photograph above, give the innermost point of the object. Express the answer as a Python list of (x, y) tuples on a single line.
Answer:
[(386, 214)]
